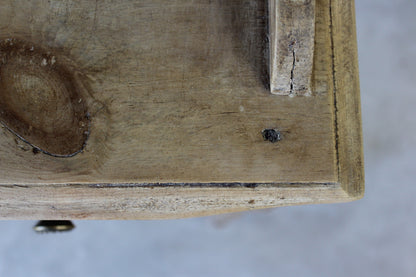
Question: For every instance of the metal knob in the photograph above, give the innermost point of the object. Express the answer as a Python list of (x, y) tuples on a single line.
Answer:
[(47, 226)]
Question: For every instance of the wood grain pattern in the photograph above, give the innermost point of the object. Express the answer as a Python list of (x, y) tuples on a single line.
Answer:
[(347, 104), (41, 100), (178, 103), (292, 41)]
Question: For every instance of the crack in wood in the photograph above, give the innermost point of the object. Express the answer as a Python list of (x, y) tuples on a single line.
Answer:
[(292, 72), (292, 38)]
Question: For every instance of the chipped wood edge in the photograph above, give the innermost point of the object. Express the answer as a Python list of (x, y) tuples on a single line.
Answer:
[(292, 39), (347, 104)]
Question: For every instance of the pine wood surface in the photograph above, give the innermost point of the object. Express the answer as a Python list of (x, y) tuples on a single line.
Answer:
[(175, 96)]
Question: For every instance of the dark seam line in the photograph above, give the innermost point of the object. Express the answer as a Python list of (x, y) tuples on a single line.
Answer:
[(336, 130)]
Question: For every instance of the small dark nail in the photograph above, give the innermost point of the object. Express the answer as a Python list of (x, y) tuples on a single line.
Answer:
[(46, 226), (271, 135)]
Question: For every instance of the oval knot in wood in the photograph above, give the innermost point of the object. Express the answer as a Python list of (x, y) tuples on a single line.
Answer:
[(40, 100)]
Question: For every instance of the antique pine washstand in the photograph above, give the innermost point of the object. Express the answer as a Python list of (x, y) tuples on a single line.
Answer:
[(167, 109)]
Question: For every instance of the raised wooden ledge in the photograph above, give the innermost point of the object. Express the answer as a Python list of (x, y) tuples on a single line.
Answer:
[(292, 41), (75, 194)]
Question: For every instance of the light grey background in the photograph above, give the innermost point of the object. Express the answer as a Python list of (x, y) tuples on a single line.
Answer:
[(372, 237)]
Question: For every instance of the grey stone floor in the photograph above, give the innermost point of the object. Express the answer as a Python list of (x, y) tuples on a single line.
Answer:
[(372, 237)]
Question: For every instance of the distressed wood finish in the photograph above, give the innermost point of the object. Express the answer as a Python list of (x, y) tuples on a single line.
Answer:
[(292, 40), (177, 98), (347, 104)]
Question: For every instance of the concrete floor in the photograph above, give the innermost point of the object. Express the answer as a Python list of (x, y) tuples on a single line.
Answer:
[(372, 237)]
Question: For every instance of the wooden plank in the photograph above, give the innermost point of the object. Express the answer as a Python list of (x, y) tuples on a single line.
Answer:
[(292, 39), (168, 98), (347, 98), (176, 108), (154, 201)]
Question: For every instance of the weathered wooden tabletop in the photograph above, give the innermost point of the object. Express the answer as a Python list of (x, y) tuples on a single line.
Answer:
[(155, 109)]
